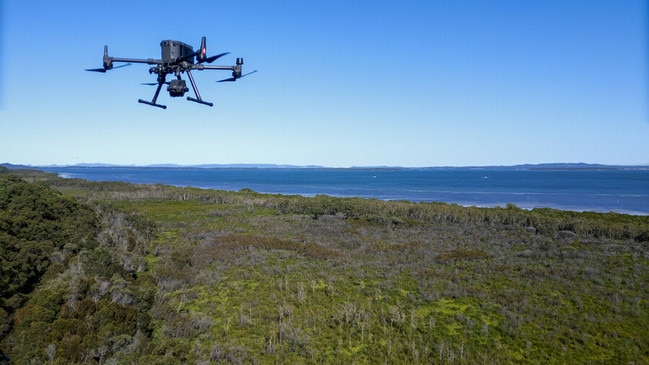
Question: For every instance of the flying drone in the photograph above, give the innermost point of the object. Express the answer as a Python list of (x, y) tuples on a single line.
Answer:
[(177, 58)]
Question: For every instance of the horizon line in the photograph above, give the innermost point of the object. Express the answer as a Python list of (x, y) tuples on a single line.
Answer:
[(312, 166)]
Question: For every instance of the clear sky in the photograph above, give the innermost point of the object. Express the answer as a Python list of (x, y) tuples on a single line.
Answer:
[(340, 83)]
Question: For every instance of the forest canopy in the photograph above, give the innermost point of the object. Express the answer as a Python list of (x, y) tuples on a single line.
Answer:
[(39, 228)]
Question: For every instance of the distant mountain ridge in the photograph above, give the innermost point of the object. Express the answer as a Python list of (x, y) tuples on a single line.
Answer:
[(542, 166)]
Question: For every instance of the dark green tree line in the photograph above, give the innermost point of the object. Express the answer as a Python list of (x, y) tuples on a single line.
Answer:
[(39, 230)]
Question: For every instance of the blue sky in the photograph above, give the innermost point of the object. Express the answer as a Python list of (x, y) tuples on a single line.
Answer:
[(340, 83)]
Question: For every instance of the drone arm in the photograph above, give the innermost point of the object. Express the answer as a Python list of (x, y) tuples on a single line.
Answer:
[(201, 66), (148, 61), (236, 70)]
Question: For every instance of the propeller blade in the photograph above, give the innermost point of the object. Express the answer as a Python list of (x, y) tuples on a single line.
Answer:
[(213, 58), (153, 83), (251, 72), (235, 78), (103, 70), (124, 65)]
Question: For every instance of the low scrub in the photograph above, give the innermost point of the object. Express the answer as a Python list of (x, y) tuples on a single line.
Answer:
[(161, 275)]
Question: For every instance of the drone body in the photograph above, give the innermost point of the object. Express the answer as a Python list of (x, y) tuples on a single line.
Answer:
[(176, 58)]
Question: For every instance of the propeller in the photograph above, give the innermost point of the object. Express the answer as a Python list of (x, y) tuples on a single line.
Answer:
[(234, 78), (201, 53), (104, 69), (153, 83), (214, 58), (96, 69)]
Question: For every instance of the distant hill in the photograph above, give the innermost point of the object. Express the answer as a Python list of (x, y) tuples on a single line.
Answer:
[(12, 166), (543, 166), (571, 166), (550, 166)]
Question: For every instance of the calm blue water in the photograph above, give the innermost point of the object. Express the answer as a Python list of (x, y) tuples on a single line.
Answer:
[(623, 191)]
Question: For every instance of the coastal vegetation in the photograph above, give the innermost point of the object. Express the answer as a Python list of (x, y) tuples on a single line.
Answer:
[(117, 273)]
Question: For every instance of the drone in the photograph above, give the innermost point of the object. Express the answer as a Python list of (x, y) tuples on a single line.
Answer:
[(177, 58)]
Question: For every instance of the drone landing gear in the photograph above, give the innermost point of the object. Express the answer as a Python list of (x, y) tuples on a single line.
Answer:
[(155, 96), (176, 88), (152, 103), (198, 96), (200, 101)]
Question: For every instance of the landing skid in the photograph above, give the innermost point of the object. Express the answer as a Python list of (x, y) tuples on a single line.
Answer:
[(152, 103), (197, 99), (161, 81), (200, 101)]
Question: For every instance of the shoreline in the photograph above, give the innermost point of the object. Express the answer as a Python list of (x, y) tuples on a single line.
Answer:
[(352, 188)]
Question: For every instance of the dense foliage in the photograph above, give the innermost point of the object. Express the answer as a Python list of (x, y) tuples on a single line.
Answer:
[(39, 230), (176, 275)]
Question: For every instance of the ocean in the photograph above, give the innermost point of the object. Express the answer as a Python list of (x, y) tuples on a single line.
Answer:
[(599, 190)]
